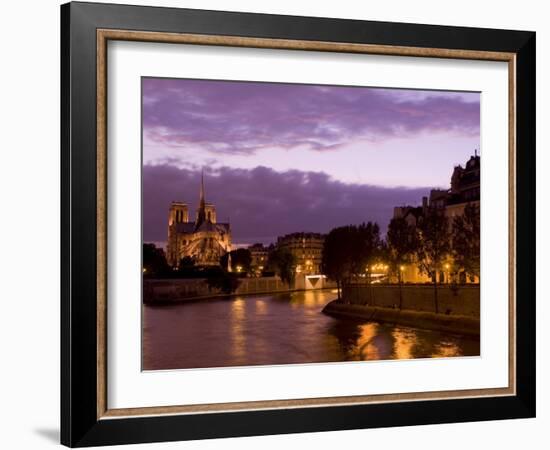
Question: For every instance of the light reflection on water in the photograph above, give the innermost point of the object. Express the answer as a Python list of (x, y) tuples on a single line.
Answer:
[(279, 329)]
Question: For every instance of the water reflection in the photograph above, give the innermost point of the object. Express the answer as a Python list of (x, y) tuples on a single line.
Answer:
[(403, 342), (279, 329), (238, 338)]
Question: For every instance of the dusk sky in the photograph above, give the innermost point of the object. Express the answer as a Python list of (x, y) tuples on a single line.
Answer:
[(280, 158)]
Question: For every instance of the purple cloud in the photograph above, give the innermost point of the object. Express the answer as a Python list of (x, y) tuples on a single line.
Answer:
[(262, 204), (244, 117)]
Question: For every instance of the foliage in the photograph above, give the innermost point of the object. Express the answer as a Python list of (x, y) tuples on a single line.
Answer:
[(349, 250), (186, 263), (283, 262), (401, 244), (434, 245), (186, 268), (465, 240), (227, 283), (240, 257), (369, 247), (154, 261)]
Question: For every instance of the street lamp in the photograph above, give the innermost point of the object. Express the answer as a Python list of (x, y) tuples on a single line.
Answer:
[(447, 267)]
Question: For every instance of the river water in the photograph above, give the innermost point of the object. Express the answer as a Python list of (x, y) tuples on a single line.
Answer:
[(279, 329)]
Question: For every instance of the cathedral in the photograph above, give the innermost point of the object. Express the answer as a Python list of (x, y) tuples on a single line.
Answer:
[(205, 240)]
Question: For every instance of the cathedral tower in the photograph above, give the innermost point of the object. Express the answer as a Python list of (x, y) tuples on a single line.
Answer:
[(205, 240), (179, 213)]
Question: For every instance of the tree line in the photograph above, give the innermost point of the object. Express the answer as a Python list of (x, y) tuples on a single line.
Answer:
[(281, 262), (350, 251), (434, 244)]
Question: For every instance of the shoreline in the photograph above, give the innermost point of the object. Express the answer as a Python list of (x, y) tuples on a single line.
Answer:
[(225, 296), (464, 325)]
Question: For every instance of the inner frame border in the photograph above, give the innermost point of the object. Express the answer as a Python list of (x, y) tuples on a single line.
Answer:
[(103, 36)]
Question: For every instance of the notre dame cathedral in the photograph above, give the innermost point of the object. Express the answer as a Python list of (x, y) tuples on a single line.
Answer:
[(205, 240)]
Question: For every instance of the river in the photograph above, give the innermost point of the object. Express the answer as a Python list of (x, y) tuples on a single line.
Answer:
[(279, 329)]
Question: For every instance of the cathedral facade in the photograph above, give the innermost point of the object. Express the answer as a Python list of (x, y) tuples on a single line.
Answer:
[(205, 240)]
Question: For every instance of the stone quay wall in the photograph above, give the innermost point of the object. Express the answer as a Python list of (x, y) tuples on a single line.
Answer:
[(174, 290), (464, 325), (462, 300)]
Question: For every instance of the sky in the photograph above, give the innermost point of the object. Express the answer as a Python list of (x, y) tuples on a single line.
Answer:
[(279, 158)]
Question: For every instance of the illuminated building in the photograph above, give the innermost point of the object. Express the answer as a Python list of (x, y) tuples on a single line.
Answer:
[(259, 255), (464, 190), (307, 248), (205, 240)]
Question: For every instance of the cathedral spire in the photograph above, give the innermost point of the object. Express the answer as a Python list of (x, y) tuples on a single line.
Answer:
[(202, 202), (201, 213)]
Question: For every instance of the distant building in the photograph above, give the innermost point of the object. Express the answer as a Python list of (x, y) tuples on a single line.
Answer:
[(259, 254), (205, 240), (307, 248), (465, 188)]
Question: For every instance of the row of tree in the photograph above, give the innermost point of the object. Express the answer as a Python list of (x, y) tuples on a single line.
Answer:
[(281, 262), (432, 244), (350, 251)]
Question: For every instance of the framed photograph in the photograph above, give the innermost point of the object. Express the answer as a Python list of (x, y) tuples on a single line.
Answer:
[(276, 224)]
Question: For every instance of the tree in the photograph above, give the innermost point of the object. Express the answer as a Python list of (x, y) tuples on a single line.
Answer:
[(239, 258), (368, 249), (186, 268), (434, 245), (348, 251), (401, 245), (465, 240), (154, 261), (336, 262), (227, 283), (283, 262)]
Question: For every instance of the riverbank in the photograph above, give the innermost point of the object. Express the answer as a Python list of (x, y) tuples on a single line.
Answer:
[(455, 300), (465, 325), (169, 291)]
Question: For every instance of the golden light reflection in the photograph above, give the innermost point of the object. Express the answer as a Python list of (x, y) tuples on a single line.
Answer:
[(446, 350), (261, 306), (312, 298), (403, 344), (238, 338), (366, 349)]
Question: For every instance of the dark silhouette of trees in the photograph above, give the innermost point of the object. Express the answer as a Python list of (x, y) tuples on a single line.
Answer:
[(154, 261), (283, 263), (348, 251), (186, 268), (337, 262), (401, 245), (465, 240), (186, 263), (368, 248), (225, 282), (239, 258), (434, 246)]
